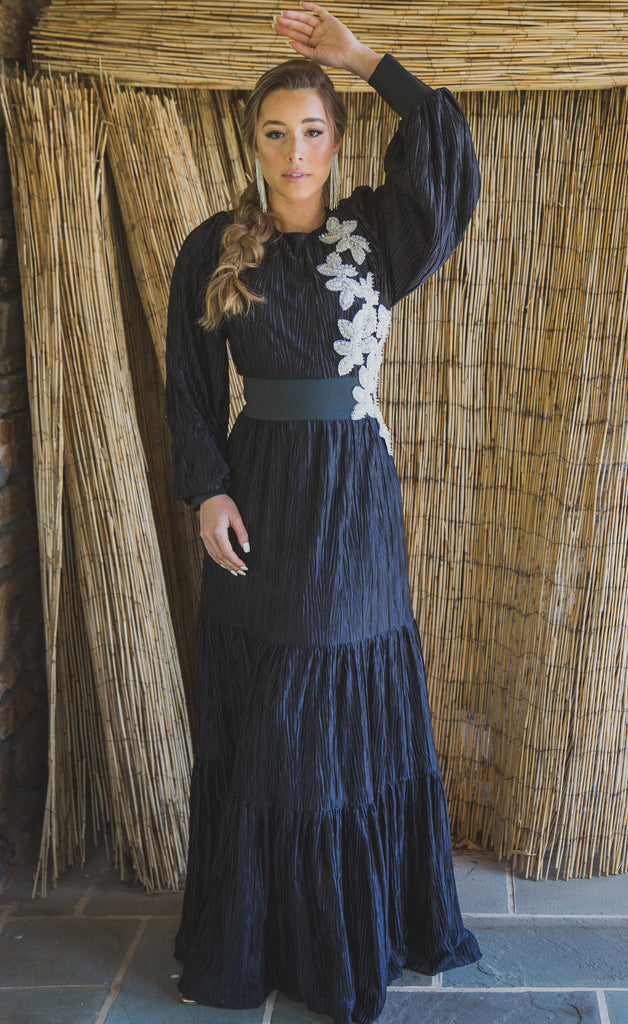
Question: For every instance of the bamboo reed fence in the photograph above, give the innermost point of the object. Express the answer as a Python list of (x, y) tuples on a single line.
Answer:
[(176, 531), (508, 387), (226, 44), (504, 388), (57, 138)]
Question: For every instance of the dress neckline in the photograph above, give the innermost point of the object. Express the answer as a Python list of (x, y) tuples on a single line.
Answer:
[(305, 234)]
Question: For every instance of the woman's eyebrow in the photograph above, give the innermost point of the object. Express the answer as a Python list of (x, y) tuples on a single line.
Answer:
[(306, 120)]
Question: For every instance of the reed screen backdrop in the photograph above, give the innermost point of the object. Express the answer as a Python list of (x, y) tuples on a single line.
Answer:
[(505, 388)]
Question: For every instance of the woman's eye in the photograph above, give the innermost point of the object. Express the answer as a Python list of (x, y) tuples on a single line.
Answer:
[(275, 133)]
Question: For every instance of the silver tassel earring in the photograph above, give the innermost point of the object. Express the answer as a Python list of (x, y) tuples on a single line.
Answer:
[(334, 183), (261, 185)]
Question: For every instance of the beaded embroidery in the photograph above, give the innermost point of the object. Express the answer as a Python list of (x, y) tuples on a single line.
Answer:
[(365, 334)]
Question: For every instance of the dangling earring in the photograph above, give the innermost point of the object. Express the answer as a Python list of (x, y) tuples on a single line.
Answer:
[(334, 183), (261, 186)]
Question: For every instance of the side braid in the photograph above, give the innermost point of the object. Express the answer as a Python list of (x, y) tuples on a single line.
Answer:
[(243, 241)]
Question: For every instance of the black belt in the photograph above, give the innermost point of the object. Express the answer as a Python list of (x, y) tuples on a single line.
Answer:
[(327, 398)]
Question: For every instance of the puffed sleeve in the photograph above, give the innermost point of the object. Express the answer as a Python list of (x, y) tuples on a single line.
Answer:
[(432, 181), (197, 373)]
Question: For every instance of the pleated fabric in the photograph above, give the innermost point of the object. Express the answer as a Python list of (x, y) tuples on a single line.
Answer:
[(320, 857)]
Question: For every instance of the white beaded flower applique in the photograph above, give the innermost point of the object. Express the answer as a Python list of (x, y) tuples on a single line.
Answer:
[(365, 334)]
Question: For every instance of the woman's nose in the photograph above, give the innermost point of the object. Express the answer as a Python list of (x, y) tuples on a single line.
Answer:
[(294, 149)]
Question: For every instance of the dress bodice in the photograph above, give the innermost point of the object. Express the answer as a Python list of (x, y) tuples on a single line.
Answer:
[(328, 293)]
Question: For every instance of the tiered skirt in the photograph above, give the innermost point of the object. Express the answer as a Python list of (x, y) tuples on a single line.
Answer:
[(320, 859)]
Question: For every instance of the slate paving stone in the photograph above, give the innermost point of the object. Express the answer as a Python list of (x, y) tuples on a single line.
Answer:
[(600, 895), (97, 886), (149, 993), (438, 1007), (72, 886), (413, 978), (490, 1008), (482, 883), (617, 1004), (67, 951), (112, 896), (567, 953), (287, 1011), (518, 951), (52, 1006)]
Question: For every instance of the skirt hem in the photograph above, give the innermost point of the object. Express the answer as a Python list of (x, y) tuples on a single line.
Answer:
[(467, 952)]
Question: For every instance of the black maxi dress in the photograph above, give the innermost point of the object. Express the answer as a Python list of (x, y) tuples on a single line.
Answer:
[(320, 859)]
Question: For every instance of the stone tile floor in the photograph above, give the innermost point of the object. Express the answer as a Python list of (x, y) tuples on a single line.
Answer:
[(98, 950)]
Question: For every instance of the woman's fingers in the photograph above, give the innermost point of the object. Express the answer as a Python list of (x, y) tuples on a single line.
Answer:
[(298, 35), (295, 29), (297, 42), (217, 515), (298, 17), (315, 8), (302, 48), (226, 556), (219, 548), (239, 529), (313, 32)]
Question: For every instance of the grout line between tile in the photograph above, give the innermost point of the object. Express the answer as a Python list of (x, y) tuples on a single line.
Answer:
[(6, 914), (89, 892), (6, 911), (602, 1007), (510, 887), (12, 874), (553, 917), (270, 1006), (44, 988), (510, 988), (117, 981), (94, 917)]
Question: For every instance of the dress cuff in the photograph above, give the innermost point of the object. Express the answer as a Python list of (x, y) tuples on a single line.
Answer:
[(198, 499), (398, 87)]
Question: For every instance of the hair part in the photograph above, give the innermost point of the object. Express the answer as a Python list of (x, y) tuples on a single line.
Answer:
[(243, 240)]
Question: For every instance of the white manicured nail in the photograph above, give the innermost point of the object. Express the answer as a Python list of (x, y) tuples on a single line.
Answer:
[(246, 546), (233, 572)]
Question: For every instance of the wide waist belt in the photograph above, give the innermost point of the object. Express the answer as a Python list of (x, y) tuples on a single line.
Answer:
[(327, 398)]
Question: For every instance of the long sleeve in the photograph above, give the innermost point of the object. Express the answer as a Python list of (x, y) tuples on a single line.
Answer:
[(197, 373), (400, 89), (432, 181)]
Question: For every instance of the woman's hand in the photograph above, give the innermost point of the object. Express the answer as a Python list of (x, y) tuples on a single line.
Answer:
[(217, 515), (314, 32)]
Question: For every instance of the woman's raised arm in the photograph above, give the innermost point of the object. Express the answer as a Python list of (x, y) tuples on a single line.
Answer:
[(314, 32), (421, 212)]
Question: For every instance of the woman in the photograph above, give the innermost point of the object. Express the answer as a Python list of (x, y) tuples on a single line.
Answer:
[(320, 854)]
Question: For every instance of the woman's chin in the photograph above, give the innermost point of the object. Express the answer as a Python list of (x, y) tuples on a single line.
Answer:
[(297, 191)]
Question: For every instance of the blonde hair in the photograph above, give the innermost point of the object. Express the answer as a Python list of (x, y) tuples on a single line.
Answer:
[(243, 240)]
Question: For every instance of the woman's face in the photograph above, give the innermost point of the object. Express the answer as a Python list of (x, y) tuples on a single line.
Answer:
[(294, 142)]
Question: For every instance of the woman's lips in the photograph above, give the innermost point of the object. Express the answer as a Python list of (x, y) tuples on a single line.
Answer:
[(296, 177)]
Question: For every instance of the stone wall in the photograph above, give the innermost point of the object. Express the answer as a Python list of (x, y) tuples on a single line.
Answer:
[(23, 696), (16, 20)]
